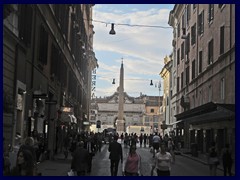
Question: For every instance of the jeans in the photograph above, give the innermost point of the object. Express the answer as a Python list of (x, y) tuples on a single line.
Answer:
[(114, 167)]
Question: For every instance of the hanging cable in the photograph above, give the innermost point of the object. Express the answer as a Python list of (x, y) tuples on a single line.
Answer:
[(131, 25)]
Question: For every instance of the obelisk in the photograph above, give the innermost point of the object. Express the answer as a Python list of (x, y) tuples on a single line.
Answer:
[(120, 121)]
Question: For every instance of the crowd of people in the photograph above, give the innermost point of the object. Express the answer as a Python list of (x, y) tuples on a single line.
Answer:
[(83, 147), (28, 155)]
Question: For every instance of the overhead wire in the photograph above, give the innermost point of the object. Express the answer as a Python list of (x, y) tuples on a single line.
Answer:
[(131, 25)]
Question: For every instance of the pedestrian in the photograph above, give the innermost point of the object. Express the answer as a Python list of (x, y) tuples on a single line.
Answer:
[(144, 139), (29, 145), (150, 140), (6, 159), (141, 139), (162, 162), (227, 160), (122, 138), (80, 160), (213, 159), (156, 142), (115, 155), (132, 163), (66, 146), (171, 148), (35, 137), (24, 165)]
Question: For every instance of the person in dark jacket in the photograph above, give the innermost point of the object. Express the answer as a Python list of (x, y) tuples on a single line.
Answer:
[(80, 160), (24, 165), (115, 156), (227, 160)]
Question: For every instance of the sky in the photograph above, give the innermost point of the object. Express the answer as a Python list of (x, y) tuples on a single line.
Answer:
[(142, 49)]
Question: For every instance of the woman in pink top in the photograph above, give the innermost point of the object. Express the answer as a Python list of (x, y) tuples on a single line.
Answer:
[(132, 163)]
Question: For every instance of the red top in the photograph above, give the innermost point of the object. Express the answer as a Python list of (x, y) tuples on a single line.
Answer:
[(132, 163)]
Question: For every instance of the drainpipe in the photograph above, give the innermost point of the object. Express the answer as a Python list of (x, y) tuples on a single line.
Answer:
[(15, 92)]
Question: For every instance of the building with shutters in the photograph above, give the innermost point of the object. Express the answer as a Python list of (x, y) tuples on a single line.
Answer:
[(203, 74), (48, 61)]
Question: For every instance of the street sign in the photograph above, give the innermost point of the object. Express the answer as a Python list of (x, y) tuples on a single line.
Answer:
[(98, 125)]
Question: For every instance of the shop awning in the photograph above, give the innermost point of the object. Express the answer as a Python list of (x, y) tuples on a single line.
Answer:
[(208, 113), (174, 123)]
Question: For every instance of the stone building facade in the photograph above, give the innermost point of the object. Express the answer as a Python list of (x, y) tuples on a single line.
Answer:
[(48, 61), (138, 111), (203, 72)]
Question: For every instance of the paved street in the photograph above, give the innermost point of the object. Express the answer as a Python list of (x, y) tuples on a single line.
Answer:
[(183, 166)]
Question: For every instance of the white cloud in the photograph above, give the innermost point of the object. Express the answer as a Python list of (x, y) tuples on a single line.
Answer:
[(142, 48)]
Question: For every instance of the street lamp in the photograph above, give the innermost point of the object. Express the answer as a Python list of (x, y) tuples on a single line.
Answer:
[(158, 85), (112, 32)]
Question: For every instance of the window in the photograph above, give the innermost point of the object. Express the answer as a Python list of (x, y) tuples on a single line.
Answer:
[(187, 75), (194, 6), (178, 84), (188, 13), (178, 30), (178, 56), (200, 98), (183, 24), (54, 61), (222, 89), (43, 45), (25, 23), (182, 51), (209, 93), (210, 12), (201, 23), (210, 52), (193, 69), (193, 101), (146, 119), (187, 44), (155, 119), (182, 80), (193, 34), (220, 5), (152, 110), (200, 61), (222, 40)]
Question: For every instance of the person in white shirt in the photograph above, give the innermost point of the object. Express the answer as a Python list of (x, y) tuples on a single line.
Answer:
[(156, 142), (162, 162)]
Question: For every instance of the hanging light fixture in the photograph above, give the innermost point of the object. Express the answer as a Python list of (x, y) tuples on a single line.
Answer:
[(113, 81), (151, 83), (112, 32)]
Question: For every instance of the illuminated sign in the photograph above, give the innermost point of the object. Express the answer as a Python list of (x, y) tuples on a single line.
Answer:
[(67, 109), (86, 123)]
